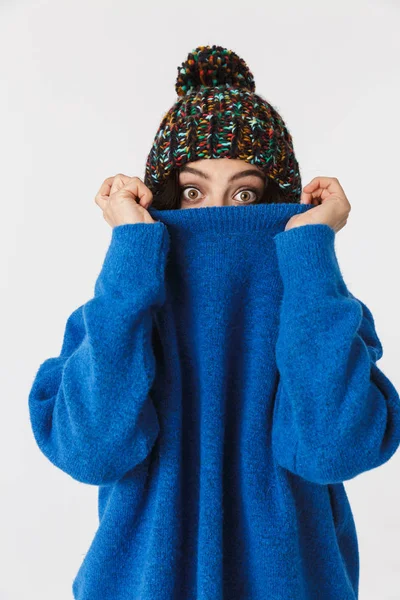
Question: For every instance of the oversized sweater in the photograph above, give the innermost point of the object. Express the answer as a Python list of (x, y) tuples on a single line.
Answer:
[(219, 388)]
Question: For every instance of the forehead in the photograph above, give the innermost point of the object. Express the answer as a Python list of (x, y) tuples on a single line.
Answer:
[(226, 165)]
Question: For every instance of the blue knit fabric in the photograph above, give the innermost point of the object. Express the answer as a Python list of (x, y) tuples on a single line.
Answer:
[(219, 388)]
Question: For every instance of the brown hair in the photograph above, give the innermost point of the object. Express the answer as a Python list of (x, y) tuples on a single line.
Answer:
[(169, 198)]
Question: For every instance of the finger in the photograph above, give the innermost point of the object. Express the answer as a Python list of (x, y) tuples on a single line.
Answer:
[(305, 198), (103, 194), (316, 195), (312, 191), (310, 197), (106, 187), (141, 192), (102, 201), (119, 182), (326, 183)]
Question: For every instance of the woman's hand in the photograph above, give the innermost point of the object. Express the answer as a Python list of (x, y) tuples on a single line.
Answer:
[(331, 204), (117, 197)]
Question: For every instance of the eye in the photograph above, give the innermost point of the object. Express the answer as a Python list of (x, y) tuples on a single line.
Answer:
[(248, 192), (247, 195), (192, 194)]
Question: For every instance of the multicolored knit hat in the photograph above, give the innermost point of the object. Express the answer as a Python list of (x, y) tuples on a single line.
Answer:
[(217, 115)]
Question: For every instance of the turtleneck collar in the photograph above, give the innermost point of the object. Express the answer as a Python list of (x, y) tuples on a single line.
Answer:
[(266, 218)]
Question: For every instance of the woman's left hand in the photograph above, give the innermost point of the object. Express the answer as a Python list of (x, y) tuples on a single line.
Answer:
[(331, 204)]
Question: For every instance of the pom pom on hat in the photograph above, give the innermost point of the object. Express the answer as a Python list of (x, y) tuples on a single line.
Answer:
[(213, 66)]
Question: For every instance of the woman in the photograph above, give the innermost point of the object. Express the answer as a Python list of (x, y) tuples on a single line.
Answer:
[(221, 385)]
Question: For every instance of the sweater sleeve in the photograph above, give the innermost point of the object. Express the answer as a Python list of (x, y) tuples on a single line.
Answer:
[(336, 414), (90, 407)]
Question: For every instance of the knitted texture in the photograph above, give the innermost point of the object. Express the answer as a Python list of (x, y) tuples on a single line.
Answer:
[(217, 115), (219, 388)]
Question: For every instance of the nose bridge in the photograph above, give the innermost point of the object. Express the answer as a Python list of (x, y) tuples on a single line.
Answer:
[(218, 195)]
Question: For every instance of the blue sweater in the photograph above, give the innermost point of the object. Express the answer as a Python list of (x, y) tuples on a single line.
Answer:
[(218, 388)]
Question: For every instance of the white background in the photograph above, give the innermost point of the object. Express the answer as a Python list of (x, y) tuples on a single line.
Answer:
[(84, 86)]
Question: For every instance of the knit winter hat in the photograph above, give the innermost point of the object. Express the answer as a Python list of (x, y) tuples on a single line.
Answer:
[(217, 115)]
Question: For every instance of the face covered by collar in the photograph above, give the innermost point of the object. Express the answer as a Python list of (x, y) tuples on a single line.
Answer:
[(225, 252), (222, 269)]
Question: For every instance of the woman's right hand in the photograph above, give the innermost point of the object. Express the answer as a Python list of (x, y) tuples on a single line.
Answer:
[(124, 200)]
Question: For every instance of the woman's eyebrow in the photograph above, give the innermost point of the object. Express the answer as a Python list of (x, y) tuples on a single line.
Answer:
[(239, 175), (246, 173)]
